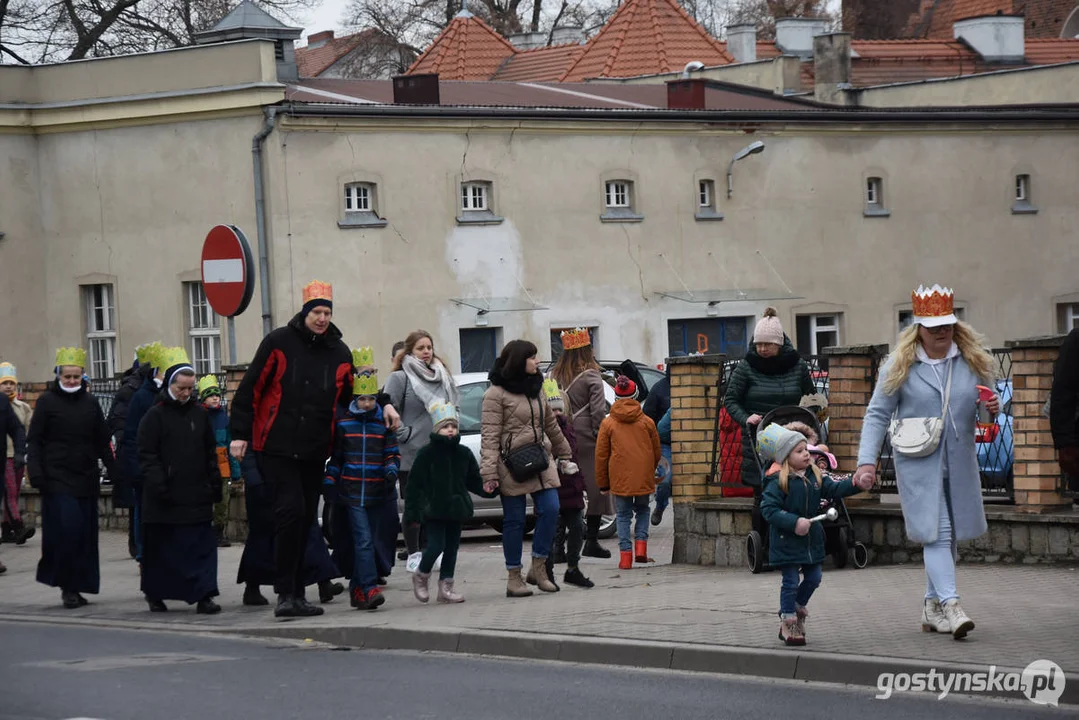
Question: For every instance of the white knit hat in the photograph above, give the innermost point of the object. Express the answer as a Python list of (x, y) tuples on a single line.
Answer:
[(769, 329)]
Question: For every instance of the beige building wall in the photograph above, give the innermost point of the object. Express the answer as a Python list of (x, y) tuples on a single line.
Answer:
[(1047, 84)]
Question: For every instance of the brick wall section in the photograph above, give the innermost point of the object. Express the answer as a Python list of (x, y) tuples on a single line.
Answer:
[(233, 375), (694, 385), (851, 375), (1036, 471), (31, 392), (1044, 18)]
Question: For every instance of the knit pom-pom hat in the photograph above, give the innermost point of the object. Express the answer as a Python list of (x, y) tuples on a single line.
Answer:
[(625, 389), (769, 329)]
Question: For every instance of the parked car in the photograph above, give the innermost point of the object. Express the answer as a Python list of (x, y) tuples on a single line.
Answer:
[(996, 450), (488, 511)]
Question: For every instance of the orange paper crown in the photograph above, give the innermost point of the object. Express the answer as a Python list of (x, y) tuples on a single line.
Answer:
[(576, 338), (932, 302), (317, 290)]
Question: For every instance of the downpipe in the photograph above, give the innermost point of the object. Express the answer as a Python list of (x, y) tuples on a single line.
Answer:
[(260, 219)]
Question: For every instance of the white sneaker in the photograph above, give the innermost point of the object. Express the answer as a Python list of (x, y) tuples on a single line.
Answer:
[(933, 619), (959, 623)]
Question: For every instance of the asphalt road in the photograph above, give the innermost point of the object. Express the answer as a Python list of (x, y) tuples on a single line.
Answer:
[(55, 672)]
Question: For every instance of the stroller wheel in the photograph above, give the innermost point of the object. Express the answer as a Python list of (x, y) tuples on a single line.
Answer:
[(861, 555), (754, 552)]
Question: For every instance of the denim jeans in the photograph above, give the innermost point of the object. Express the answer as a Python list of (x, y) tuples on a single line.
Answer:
[(625, 508), (364, 523), (793, 595), (940, 557), (513, 525), (663, 489)]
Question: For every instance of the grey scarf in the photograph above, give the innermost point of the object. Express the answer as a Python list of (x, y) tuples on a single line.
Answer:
[(432, 383)]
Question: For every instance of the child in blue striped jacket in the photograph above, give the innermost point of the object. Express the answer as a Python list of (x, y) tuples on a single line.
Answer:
[(361, 475)]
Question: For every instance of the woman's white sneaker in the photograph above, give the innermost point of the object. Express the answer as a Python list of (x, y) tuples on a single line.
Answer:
[(958, 621), (933, 619)]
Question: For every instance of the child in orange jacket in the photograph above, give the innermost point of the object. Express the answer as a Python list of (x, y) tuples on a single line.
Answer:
[(627, 453)]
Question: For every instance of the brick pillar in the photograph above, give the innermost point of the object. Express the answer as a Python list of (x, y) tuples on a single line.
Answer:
[(1036, 471), (30, 392), (694, 386), (233, 375), (851, 375)]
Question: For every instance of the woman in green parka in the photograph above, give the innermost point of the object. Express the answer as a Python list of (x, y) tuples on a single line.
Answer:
[(772, 375)]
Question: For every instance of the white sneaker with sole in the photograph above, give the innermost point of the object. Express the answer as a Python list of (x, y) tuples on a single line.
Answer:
[(959, 623)]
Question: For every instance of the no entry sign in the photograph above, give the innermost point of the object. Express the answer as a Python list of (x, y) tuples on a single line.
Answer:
[(226, 270)]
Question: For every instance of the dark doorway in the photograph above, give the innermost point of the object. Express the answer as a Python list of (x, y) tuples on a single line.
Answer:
[(479, 348), (709, 336)]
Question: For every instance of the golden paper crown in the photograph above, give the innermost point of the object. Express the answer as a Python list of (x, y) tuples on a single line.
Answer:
[(363, 357), (576, 338), (208, 382), (147, 354), (365, 384), (932, 302), (317, 290), (8, 373), (441, 412), (170, 357), (71, 356), (551, 389)]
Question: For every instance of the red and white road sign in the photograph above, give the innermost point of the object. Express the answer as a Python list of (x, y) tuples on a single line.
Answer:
[(227, 270)]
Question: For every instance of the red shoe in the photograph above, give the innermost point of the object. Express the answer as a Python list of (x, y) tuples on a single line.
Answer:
[(375, 598), (626, 560), (641, 551), (358, 600)]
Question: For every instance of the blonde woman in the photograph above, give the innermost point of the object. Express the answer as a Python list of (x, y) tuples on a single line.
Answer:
[(940, 493)]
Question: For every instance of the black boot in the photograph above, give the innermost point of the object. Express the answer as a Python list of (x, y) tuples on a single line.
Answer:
[(252, 596), (70, 599), (592, 548), (574, 576), (7, 534), (207, 606), (21, 532), (157, 606), (328, 590), (558, 547), (304, 608)]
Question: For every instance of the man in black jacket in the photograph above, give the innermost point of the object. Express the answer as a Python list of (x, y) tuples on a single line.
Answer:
[(14, 430), (1064, 408), (285, 408)]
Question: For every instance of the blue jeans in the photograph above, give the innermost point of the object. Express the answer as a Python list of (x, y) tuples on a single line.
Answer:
[(939, 557), (793, 595), (365, 526), (625, 507), (663, 489), (513, 526)]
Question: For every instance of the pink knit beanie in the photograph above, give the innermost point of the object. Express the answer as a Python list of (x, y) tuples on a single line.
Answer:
[(769, 329)]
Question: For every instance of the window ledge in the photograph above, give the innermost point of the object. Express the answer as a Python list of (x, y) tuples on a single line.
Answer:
[(620, 215), (708, 214), (1023, 207), (361, 220), (876, 211), (478, 217)]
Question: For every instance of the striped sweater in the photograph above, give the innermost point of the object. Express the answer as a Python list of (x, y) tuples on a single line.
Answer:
[(365, 458)]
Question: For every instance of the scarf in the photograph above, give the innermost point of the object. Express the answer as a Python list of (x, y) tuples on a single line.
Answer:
[(527, 385), (787, 359), (432, 383)]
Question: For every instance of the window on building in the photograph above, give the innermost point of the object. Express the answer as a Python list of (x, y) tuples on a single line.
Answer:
[(361, 206), (816, 332), (1023, 204), (874, 198), (619, 202), (474, 196), (706, 201), (1067, 317), (479, 348), (906, 317), (100, 304), (478, 204), (204, 331), (358, 197), (556, 342), (618, 193)]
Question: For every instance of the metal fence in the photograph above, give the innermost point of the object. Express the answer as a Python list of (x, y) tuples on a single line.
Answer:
[(995, 445)]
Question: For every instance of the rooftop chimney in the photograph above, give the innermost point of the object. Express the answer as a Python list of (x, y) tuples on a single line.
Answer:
[(416, 89), (568, 34), (742, 43), (831, 67), (686, 94), (528, 40), (319, 39), (997, 38), (794, 35)]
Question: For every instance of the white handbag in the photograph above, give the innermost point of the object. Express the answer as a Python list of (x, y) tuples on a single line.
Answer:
[(918, 437)]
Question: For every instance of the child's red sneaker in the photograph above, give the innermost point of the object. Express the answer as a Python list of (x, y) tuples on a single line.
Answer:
[(375, 598), (625, 561), (357, 599), (640, 551)]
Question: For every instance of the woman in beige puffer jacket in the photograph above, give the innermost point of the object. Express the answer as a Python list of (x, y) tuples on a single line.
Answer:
[(515, 414)]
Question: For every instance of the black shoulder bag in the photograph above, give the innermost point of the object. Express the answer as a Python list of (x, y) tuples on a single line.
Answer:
[(530, 460)]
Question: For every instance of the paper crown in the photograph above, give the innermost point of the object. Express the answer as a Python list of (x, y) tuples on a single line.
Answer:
[(71, 356), (932, 302), (363, 357), (551, 389), (317, 290), (147, 354), (208, 383), (442, 412), (575, 338), (365, 384), (170, 357), (7, 373)]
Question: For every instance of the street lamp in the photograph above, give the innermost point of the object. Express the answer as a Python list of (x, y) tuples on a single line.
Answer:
[(751, 149)]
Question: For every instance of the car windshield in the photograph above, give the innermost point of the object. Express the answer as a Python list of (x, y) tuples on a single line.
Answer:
[(471, 405)]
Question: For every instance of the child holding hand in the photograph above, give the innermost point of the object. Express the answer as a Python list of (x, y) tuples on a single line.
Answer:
[(792, 495)]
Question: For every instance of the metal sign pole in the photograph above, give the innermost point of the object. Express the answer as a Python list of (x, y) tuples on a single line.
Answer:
[(232, 340)]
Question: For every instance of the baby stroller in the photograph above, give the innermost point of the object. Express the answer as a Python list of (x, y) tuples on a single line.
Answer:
[(839, 537)]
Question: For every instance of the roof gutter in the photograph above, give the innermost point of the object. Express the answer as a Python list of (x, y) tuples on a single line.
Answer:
[(1050, 113)]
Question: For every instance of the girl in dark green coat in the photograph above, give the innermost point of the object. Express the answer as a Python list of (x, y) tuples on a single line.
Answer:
[(772, 374)]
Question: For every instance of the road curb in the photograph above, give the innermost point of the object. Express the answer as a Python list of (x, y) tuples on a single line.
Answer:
[(857, 670)]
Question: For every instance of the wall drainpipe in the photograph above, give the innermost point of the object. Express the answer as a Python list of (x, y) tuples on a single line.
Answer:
[(260, 220)]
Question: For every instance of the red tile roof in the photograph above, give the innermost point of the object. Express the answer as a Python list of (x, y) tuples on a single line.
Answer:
[(646, 37), (546, 64), (937, 16), (468, 49), (1049, 51), (312, 62)]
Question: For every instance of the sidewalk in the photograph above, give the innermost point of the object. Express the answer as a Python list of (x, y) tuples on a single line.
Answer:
[(862, 622)]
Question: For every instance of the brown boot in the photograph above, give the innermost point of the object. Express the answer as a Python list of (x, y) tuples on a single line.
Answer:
[(515, 584), (539, 571)]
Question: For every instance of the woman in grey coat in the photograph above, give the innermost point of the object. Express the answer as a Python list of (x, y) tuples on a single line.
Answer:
[(941, 493)]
